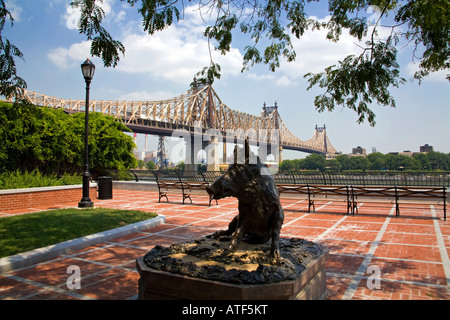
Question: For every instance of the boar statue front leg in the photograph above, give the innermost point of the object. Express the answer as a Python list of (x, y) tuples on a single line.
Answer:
[(235, 231), (223, 235), (275, 234), (275, 247), (235, 240)]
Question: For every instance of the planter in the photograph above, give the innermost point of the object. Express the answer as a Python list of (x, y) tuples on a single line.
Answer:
[(14, 199)]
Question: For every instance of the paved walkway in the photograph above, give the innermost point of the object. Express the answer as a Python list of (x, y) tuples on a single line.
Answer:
[(373, 255)]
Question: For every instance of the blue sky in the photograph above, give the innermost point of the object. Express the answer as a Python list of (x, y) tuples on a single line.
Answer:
[(162, 66)]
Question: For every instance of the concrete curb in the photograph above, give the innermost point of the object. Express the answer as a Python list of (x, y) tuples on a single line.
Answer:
[(46, 253)]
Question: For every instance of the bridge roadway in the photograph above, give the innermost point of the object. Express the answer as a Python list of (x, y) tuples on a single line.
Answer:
[(168, 132)]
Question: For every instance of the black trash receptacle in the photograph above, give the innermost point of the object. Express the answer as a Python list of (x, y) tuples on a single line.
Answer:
[(105, 188)]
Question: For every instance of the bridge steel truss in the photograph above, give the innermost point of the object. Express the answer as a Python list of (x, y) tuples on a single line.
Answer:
[(197, 110)]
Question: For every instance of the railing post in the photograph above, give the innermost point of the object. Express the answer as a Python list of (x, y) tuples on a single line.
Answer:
[(445, 204), (135, 176)]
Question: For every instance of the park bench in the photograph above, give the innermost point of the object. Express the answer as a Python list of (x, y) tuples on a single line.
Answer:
[(352, 194), (184, 182), (211, 176), (318, 192), (396, 193), (194, 181)]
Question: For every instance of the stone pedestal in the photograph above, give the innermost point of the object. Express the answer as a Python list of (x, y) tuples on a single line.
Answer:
[(305, 281)]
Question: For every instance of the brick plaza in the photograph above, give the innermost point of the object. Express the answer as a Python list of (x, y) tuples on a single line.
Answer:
[(373, 255)]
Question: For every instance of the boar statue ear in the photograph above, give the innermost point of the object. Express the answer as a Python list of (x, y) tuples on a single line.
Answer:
[(247, 150)]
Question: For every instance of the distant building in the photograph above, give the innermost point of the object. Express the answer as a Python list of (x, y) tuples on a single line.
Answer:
[(403, 153), (426, 148), (358, 151), (423, 149), (151, 156), (331, 156), (407, 153)]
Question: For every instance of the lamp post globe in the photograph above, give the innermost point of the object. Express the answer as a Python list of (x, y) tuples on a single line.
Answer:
[(88, 70)]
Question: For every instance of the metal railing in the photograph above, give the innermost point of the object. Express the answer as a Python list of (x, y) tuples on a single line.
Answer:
[(150, 175), (378, 178)]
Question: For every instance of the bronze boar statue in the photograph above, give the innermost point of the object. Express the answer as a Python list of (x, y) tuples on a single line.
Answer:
[(260, 214)]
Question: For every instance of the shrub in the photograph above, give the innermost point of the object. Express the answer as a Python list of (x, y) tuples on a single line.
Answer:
[(18, 180)]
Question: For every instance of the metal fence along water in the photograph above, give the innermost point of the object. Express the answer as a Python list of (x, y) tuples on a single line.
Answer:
[(373, 178)]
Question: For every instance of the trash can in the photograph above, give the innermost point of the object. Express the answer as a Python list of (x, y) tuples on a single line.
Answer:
[(105, 188)]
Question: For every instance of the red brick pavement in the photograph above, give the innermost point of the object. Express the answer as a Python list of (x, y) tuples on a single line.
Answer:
[(373, 255)]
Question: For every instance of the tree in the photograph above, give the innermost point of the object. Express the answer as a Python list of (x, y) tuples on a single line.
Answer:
[(150, 165), (377, 161), (314, 162), (402, 162), (297, 164), (36, 138), (180, 166), (413, 164), (344, 161), (359, 163), (52, 141), (10, 83), (355, 82), (333, 165), (423, 159), (140, 164), (109, 146), (439, 160), (286, 165)]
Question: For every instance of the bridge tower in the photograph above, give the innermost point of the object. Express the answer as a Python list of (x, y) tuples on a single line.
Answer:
[(273, 148), (196, 142), (323, 130), (162, 153)]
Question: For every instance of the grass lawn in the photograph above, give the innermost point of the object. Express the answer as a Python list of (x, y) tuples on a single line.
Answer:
[(35, 230)]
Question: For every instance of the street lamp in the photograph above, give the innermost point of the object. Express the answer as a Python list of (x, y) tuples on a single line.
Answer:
[(88, 69)]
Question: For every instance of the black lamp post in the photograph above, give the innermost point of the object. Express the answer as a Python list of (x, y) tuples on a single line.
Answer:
[(88, 69)]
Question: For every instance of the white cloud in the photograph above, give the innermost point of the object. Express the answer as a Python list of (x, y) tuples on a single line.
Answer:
[(175, 54), (260, 77), (178, 52), (283, 81), (120, 16), (314, 53), (147, 96), (66, 58), (72, 15), (438, 76), (14, 9)]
